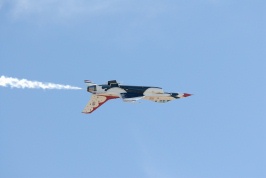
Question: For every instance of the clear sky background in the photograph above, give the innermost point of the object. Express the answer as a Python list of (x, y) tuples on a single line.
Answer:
[(214, 49)]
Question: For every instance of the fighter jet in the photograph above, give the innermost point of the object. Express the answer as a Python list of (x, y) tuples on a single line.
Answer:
[(128, 93)]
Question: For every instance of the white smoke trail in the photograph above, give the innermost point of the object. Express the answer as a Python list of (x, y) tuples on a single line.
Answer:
[(23, 83)]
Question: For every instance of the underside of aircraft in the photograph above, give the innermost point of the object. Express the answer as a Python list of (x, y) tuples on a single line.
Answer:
[(128, 93)]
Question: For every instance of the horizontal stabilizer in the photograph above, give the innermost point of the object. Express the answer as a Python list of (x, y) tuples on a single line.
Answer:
[(89, 82)]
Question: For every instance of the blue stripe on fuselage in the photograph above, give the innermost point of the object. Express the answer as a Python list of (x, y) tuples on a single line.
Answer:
[(130, 88)]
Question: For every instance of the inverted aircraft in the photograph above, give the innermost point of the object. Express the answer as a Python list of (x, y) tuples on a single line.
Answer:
[(128, 93)]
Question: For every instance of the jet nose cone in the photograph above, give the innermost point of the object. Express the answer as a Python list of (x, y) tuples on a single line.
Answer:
[(186, 94)]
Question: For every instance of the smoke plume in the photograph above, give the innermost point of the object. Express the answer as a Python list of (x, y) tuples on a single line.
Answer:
[(23, 83)]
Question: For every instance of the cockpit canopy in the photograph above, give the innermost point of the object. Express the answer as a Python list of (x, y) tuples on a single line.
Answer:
[(113, 83)]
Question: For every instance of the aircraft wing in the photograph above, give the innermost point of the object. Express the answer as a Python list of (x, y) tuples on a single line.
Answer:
[(95, 102)]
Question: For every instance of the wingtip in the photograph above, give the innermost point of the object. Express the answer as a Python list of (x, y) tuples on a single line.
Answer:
[(85, 112)]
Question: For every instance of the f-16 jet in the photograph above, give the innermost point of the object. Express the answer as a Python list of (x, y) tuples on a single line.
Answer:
[(128, 93)]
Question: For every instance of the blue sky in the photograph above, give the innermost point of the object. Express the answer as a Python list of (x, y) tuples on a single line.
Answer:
[(214, 49)]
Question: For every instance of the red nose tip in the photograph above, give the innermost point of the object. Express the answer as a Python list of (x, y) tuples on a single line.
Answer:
[(187, 94)]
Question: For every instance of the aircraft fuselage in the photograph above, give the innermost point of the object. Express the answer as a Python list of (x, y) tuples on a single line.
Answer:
[(129, 93)]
